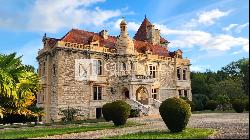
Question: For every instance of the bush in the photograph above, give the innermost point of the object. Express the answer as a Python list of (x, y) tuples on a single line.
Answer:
[(211, 105), (238, 106), (247, 105), (224, 102), (134, 113), (175, 113), (120, 112), (69, 114), (106, 111), (200, 101)]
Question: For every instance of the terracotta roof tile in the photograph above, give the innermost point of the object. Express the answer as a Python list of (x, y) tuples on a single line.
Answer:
[(84, 37)]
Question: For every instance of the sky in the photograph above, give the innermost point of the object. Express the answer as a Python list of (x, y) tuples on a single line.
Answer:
[(211, 33)]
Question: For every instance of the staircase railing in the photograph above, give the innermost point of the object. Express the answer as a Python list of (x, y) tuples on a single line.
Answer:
[(156, 103), (137, 105)]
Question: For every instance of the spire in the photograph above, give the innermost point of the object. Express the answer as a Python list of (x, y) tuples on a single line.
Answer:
[(145, 16)]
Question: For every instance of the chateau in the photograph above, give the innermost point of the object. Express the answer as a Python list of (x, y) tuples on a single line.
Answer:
[(85, 70)]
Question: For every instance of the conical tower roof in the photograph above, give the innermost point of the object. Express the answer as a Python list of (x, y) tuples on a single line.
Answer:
[(141, 34)]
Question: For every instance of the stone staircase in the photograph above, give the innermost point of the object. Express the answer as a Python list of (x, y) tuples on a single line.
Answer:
[(145, 109)]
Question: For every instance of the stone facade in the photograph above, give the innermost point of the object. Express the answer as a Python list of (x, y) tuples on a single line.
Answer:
[(140, 71)]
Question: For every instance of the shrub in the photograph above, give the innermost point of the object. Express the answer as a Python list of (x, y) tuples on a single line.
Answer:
[(238, 105), (134, 113), (211, 105), (191, 103), (247, 105), (120, 112), (69, 114), (200, 101), (106, 111), (175, 113), (223, 101)]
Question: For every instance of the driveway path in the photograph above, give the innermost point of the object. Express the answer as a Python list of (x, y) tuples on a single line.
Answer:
[(229, 126)]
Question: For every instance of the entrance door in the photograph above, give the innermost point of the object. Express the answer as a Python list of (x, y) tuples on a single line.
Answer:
[(98, 113), (142, 95)]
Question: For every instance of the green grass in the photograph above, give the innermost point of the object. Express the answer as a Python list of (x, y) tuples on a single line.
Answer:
[(215, 111), (188, 133), (48, 131)]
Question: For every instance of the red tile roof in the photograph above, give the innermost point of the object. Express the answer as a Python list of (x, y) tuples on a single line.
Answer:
[(141, 34), (140, 40)]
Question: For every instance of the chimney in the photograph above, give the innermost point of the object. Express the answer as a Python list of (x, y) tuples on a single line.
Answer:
[(104, 34)]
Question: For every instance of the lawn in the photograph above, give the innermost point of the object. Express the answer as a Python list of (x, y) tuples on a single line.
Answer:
[(188, 133), (48, 131), (216, 111)]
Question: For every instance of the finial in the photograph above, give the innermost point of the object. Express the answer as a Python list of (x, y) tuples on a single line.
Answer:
[(145, 16)]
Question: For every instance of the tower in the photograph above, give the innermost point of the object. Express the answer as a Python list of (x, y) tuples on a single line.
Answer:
[(124, 44)]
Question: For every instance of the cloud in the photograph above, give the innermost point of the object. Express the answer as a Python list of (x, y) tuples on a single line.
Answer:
[(228, 28), (206, 18), (199, 68), (51, 16), (236, 27), (204, 40)]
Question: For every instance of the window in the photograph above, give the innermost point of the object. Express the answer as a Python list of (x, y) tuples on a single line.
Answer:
[(99, 67), (44, 68), (179, 93), (98, 113), (124, 66), (132, 65), (152, 71), (54, 69), (185, 93), (179, 73), (154, 96), (154, 93), (184, 74), (97, 93)]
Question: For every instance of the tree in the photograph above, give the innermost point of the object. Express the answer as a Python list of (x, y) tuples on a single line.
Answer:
[(18, 85), (230, 88)]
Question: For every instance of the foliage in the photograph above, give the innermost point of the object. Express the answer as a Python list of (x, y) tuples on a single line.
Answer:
[(134, 113), (238, 105), (231, 88), (231, 80), (223, 101), (247, 105), (192, 105), (175, 112), (211, 105), (69, 114), (120, 112), (18, 86), (189, 133), (200, 101), (106, 111)]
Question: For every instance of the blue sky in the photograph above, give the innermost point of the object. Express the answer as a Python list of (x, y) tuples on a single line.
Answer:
[(211, 33)]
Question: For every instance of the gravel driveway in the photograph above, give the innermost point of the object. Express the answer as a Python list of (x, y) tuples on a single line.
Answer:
[(229, 126)]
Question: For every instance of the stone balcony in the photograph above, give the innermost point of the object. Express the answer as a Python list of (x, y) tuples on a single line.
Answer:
[(137, 78)]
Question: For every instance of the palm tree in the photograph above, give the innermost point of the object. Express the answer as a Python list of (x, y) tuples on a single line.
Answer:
[(10, 70), (18, 86)]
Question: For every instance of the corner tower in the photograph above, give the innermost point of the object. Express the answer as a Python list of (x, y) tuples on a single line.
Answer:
[(124, 44)]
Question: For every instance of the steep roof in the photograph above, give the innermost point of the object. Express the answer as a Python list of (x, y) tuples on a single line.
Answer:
[(141, 33), (84, 37), (140, 43)]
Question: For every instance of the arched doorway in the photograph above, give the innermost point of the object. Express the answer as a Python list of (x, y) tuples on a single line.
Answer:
[(142, 95), (125, 93)]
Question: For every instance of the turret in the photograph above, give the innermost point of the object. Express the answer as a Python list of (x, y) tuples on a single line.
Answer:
[(124, 44)]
